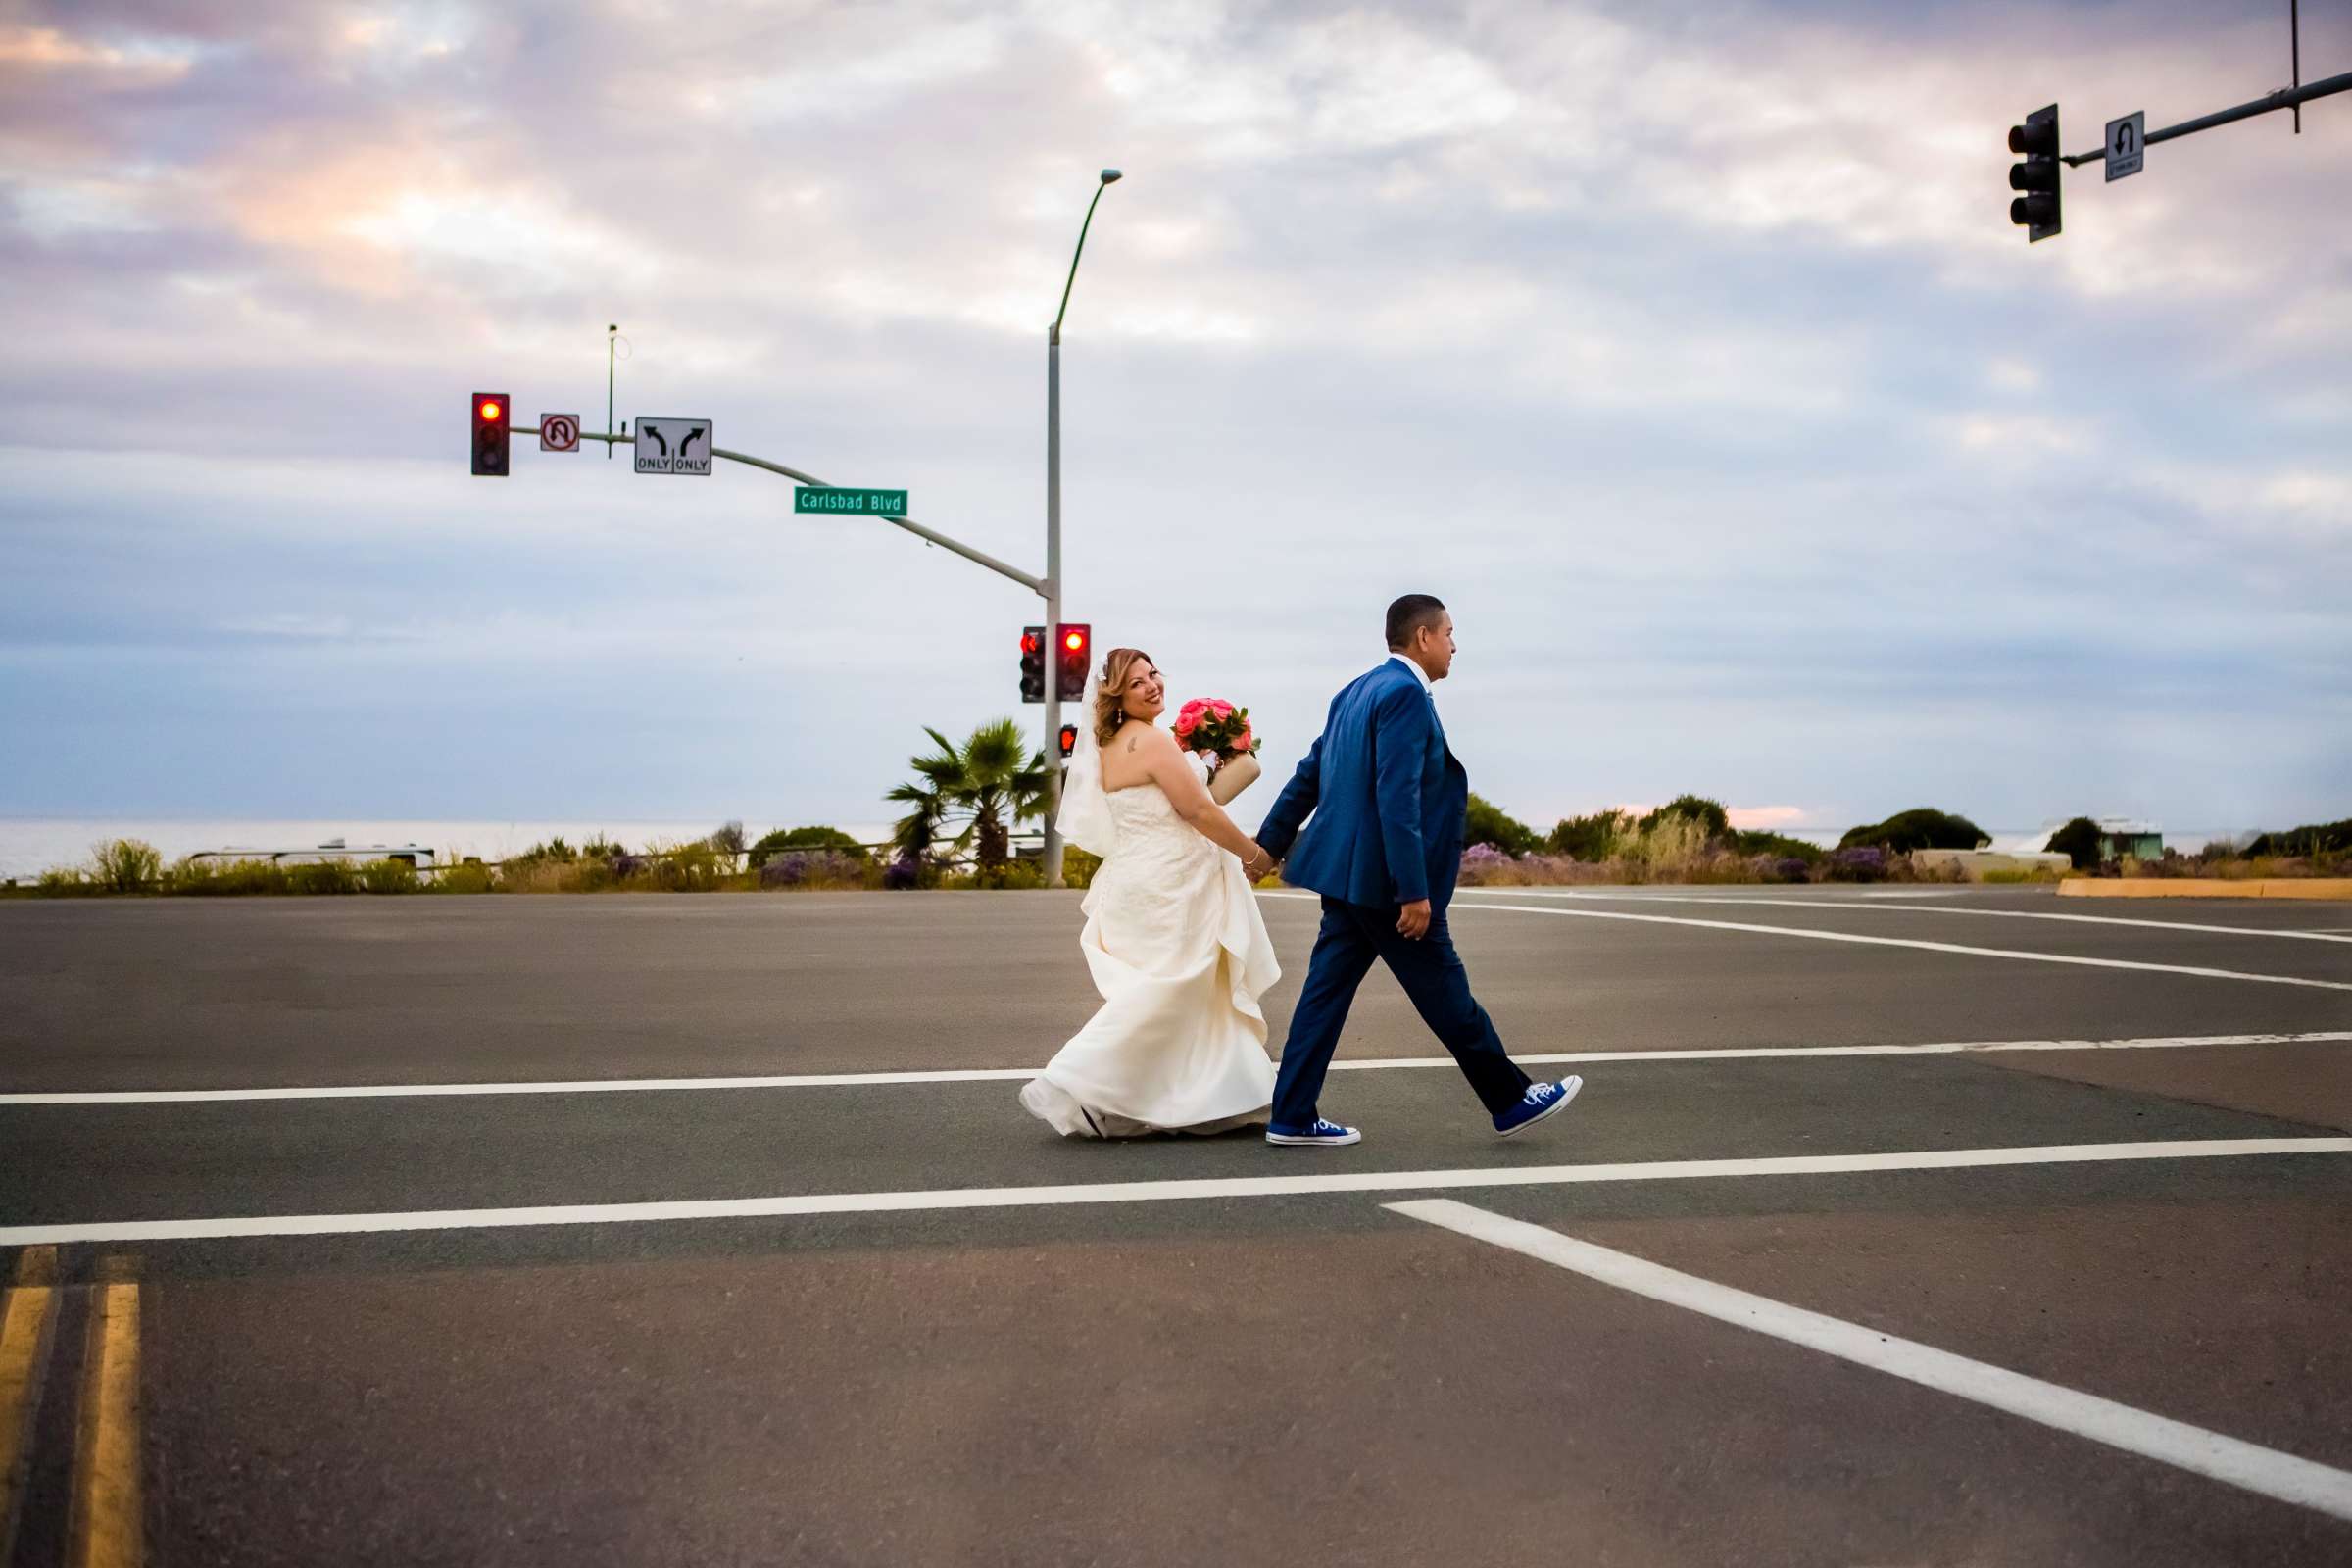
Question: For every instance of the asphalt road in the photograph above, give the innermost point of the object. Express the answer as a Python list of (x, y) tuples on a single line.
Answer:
[(531, 1299)]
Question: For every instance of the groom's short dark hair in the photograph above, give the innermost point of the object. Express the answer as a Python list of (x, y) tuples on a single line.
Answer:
[(1409, 615)]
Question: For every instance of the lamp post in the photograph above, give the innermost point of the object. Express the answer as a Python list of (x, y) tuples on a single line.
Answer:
[(1053, 740)]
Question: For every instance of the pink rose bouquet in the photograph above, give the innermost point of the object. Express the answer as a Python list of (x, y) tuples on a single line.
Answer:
[(1215, 726)]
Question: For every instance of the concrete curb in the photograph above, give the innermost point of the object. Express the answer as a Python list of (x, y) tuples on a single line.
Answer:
[(2205, 887)]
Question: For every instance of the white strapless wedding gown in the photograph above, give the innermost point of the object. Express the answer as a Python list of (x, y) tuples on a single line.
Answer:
[(1180, 953)]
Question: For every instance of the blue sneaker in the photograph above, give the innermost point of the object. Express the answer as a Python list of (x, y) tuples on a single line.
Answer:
[(1539, 1101), (1322, 1135)]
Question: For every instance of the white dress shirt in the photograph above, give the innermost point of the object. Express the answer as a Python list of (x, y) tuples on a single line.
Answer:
[(1419, 674)]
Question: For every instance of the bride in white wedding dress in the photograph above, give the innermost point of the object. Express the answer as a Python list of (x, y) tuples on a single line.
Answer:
[(1173, 936)]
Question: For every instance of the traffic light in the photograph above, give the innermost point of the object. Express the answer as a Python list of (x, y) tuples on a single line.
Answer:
[(2036, 142), (491, 417), (1033, 663), (1071, 641), (1070, 741)]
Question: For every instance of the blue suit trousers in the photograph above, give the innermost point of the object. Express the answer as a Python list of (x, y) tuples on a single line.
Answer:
[(1431, 972)]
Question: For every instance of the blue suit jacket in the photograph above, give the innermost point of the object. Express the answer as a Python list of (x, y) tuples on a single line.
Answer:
[(1389, 801)]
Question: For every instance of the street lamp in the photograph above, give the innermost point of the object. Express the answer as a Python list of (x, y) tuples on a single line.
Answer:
[(1053, 865)]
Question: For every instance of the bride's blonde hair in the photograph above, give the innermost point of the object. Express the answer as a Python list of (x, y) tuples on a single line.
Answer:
[(1110, 710)]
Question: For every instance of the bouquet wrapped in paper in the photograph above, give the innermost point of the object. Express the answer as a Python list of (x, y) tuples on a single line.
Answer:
[(1220, 731)]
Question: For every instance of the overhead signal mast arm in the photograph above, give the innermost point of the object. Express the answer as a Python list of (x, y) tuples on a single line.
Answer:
[(2284, 98), (1036, 585)]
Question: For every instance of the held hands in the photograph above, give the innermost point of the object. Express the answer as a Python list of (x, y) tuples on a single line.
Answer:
[(1257, 864), (1412, 920)]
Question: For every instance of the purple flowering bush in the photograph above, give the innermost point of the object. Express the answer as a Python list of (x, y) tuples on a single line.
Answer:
[(1862, 864), (1484, 866), (814, 868)]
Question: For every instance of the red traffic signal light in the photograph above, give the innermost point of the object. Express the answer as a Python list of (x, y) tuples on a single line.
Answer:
[(1033, 663), (491, 417), (1071, 640), (1070, 741)]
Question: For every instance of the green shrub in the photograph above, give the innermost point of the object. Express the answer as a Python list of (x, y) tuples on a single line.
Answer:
[(126, 866), (1590, 838), (227, 878), (323, 877), (467, 878), (1779, 846), (1922, 827), (1670, 849), (1708, 813), (388, 877), (1010, 875), (64, 882), (1490, 823), (2078, 840), (590, 875), (696, 867), (2312, 839), (804, 838)]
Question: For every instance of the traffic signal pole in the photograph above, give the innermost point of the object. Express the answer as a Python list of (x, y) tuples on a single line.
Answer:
[(1052, 586), (1047, 587)]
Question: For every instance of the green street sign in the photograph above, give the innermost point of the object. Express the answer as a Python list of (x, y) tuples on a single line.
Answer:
[(861, 502)]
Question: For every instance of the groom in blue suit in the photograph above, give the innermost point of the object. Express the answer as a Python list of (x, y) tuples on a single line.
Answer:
[(1384, 846)]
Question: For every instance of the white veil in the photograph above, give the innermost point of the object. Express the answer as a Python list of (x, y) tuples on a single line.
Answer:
[(1085, 818)]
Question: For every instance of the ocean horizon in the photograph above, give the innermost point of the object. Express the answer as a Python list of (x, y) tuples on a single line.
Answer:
[(31, 845)]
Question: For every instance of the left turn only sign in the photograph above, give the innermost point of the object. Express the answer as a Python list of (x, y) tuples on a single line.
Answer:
[(558, 432), (674, 446)]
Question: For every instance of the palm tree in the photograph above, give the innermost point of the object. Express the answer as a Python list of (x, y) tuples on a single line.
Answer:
[(978, 792)]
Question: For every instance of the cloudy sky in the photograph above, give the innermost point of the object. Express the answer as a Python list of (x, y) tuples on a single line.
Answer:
[(1686, 351)]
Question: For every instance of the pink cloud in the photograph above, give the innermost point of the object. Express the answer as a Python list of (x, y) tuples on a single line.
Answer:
[(1754, 819)]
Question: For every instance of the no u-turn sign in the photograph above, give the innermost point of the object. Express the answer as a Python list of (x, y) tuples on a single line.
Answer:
[(2127, 144)]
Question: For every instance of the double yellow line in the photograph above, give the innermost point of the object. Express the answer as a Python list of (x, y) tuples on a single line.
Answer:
[(105, 1521)]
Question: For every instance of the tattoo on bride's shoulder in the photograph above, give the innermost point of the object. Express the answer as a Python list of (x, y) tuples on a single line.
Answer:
[(1131, 741)]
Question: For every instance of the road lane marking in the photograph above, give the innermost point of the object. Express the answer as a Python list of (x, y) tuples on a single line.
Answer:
[(853, 1080), (108, 1529), (28, 1311), (2320, 935), (2267, 1471), (1815, 934), (1215, 1187)]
